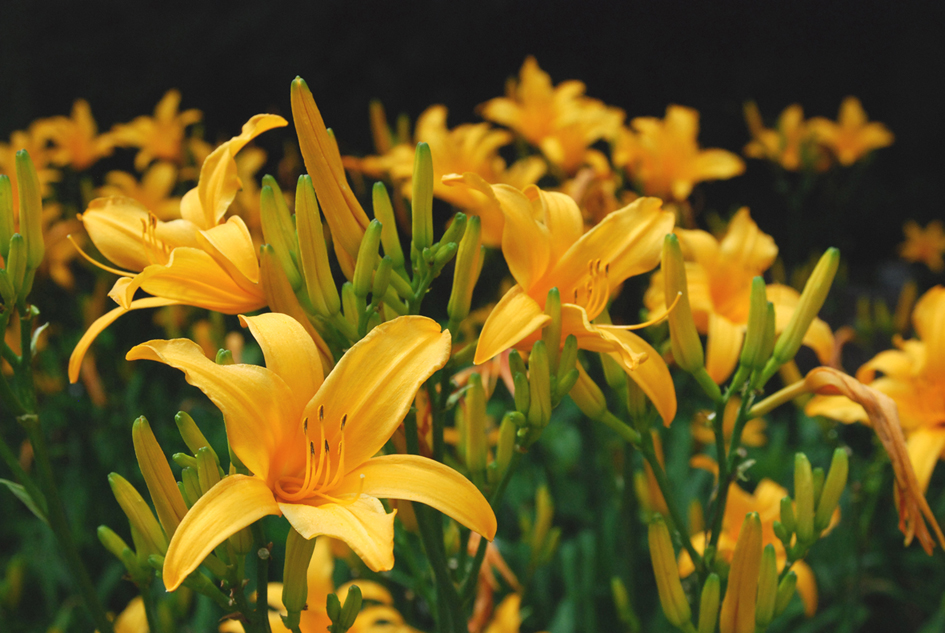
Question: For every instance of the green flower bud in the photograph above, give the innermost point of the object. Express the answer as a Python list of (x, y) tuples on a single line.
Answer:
[(738, 607), (384, 212), (111, 541), (564, 384), (539, 381), (783, 535), (833, 488), (158, 477), (787, 515), (139, 515), (587, 396), (551, 333), (819, 477), (455, 231), (422, 198), (767, 588), (381, 278), (31, 209), (672, 596), (522, 392), (208, 474), (475, 427), (298, 554), (349, 301), (191, 482), (466, 271), (785, 593), (755, 334), (184, 460), (506, 445), (516, 364), (7, 291), (687, 347), (812, 299), (16, 265), (280, 234), (444, 254), (709, 604), (568, 358), (804, 498), (313, 251), (351, 608), (7, 225), (367, 258)]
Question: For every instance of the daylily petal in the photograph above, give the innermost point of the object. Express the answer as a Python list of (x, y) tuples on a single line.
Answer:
[(560, 213), (925, 449), (716, 164), (698, 245), (234, 503), (836, 408), (208, 201), (416, 478), (258, 407), (891, 362), (231, 245), (375, 382), (342, 210), (629, 240), (651, 375), (746, 245), (75, 360), (513, 319), (723, 347), (929, 320), (364, 525), (290, 353)]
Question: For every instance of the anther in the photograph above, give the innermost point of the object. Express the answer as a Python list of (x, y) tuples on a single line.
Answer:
[(344, 420)]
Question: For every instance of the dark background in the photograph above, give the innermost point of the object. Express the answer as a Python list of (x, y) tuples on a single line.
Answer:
[(235, 61)]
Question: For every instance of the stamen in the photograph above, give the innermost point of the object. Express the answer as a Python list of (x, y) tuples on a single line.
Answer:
[(344, 420), (321, 413), (114, 271)]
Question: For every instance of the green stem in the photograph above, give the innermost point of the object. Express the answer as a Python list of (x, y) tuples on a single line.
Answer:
[(149, 608), (262, 578), (21, 475), (718, 507), (626, 432), (56, 515)]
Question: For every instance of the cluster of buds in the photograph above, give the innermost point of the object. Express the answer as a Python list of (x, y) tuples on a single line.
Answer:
[(21, 238)]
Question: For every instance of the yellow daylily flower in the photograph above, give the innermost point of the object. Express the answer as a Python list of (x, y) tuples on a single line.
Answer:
[(559, 120), (153, 192), (310, 441), (466, 148), (380, 618), (914, 377), (545, 247), (133, 619), (851, 137), (663, 156), (791, 143), (196, 260), (924, 245), (75, 139), (160, 136), (719, 274), (766, 501)]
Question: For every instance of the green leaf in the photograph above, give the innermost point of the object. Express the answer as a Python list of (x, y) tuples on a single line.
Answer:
[(37, 507)]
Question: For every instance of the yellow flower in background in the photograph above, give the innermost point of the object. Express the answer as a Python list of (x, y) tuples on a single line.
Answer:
[(790, 144), (851, 137), (924, 245), (160, 136), (545, 246), (559, 120), (664, 158), (719, 274), (132, 620), (310, 441), (76, 141), (246, 205), (39, 154), (914, 377), (766, 501), (153, 192), (380, 618), (465, 148), (197, 260)]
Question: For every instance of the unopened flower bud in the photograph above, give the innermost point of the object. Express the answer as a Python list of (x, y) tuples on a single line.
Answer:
[(564, 384), (833, 487), (16, 265), (506, 445), (139, 515), (7, 291), (31, 209), (208, 474), (812, 299), (111, 541), (819, 476), (767, 588), (313, 251), (587, 395), (190, 483), (804, 498), (184, 460), (298, 555), (568, 359), (192, 436), (551, 334), (384, 211), (349, 303), (367, 258), (709, 604), (466, 271), (738, 608), (539, 381), (475, 426), (522, 395), (351, 608), (7, 224), (444, 253), (279, 233), (455, 231), (381, 278), (672, 596), (687, 348), (783, 535), (757, 321), (785, 593), (422, 198), (787, 515), (158, 477)]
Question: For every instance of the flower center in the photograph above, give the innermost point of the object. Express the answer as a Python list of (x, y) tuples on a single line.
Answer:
[(156, 250), (321, 475), (595, 291)]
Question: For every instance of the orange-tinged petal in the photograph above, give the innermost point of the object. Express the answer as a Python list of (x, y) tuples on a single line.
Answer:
[(716, 164), (219, 182), (560, 213), (290, 353), (746, 246), (75, 360), (512, 320), (651, 375), (375, 382), (258, 407), (416, 478), (929, 319), (723, 347), (364, 525), (231, 245), (234, 503), (323, 163), (925, 447), (629, 240)]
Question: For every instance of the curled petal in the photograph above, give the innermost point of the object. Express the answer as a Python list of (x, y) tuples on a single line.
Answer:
[(651, 375), (724, 345), (514, 319)]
